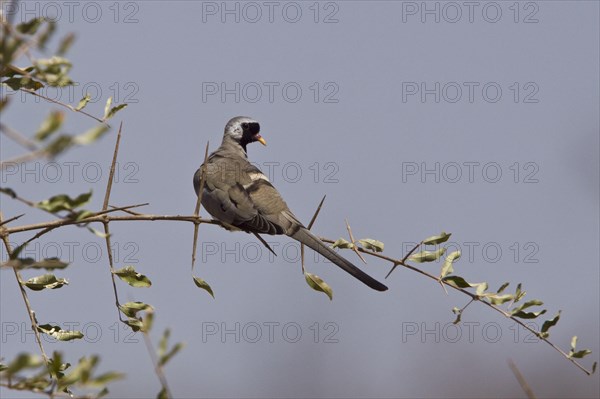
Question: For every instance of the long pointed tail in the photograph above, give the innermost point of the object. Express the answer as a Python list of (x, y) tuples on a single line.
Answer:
[(310, 240)]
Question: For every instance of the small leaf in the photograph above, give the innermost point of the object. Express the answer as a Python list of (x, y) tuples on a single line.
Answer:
[(594, 367), (8, 191), (163, 394), (342, 244), (107, 107), (133, 278), (46, 281), (58, 333), (499, 299), (447, 268), (50, 125), (547, 324), (91, 135), (458, 313), (65, 44), (135, 324), (59, 145), (83, 102), (63, 202), (573, 343), (456, 281), (371, 245), (130, 309), (433, 240), (580, 354), (480, 288), (98, 233), (528, 304), (23, 82), (427, 256), (200, 283), (30, 27), (317, 284), (529, 315), (518, 293), (502, 288), (30, 263), (114, 110)]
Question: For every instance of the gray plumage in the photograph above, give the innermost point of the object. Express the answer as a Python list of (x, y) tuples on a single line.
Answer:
[(240, 196)]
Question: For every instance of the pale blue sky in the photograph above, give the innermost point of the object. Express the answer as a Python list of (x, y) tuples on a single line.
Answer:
[(399, 165)]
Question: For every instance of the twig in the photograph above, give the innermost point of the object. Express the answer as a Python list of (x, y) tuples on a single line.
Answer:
[(404, 259), (198, 203), (312, 221), (11, 219), (157, 367), (105, 222), (354, 246), (524, 385), (63, 105), (30, 312), (18, 137)]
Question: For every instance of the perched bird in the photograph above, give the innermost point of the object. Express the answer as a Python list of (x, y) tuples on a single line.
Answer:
[(241, 197)]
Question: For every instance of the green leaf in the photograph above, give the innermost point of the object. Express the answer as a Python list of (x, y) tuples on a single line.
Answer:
[(502, 288), (91, 135), (63, 202), (133, 278), (58, 333), (30, 263), (528, 315), (50, 125), (23, 82), (8, 191), (163, 394), (447, 268), (200, 283), (46, 281), (24, 361), (480, 288), (518, 293), (496, 299), (83, 102), (427, 256), (107, 107), (130, 309), (342, 244), (528, 304), (59, 145), (135, 324), (547, 324), (163, 355), (316, 283), (433, 240), (580, 354), (114, 110), (3, 367), (456, 281), (458, 313), (371, 245), (30, 27), (65, 44)]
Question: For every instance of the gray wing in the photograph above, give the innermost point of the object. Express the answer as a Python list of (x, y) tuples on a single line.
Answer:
[(239, 194)]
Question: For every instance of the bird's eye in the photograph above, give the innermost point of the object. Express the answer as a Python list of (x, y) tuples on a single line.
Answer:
[(245, 125)]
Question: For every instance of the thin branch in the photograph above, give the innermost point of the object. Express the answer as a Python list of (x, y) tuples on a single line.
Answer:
[(63, 105), (30, 312), (312, 221), (18, 137), (524, 385), (198, 203), (353, 241), (157, 367), (472, 296), (11, 219), (404, 259), (105, 222)]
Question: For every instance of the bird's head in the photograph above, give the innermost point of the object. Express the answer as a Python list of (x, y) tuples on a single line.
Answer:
[(243, 130)]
